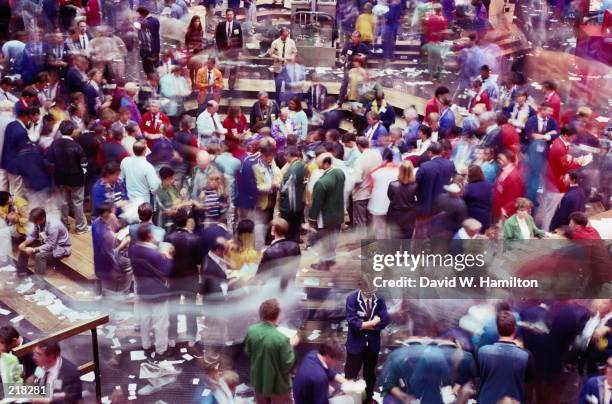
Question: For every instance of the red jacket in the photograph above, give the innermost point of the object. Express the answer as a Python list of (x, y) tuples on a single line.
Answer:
[(240, 127), (432, 106), (506, 192), (559, 163), (586, 233), (152, 125), (482, 98), (510, 138), (433, 26), (554, 100)]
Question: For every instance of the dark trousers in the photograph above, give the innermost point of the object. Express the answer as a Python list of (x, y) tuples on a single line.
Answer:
[(149, 62), (279, 79), (368, 359), (295, 220)]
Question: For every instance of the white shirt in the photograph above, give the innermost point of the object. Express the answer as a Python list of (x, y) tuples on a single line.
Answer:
[(207, 124), (607, 392), (381, 178), (84, 41), (525, 233), (365, 163), (140, 178), (370, 132)]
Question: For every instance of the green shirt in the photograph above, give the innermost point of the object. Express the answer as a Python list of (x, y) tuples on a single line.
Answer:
[(271, 358)]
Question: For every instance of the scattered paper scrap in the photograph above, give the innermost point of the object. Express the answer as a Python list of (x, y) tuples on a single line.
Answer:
[(88, 377), (4, 312), (138, 355), (187, 357), (195, 381), (17, 319)]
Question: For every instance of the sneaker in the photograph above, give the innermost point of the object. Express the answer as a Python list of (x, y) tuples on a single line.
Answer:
[(83, 231)]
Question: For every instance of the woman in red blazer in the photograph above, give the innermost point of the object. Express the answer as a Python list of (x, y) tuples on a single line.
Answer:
[(508, 187), (235, 122)]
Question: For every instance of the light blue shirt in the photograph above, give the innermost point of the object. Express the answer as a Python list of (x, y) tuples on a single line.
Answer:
[(140, 178)]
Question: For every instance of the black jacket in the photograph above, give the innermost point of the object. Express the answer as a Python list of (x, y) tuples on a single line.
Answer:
[(403, 204), (278, 255), (235, 39), (213, 276), (332, 119), (71, 390), (187, 256), (67, 161)]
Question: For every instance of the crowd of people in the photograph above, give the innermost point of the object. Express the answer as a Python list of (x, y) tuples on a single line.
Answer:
[(183, 203)]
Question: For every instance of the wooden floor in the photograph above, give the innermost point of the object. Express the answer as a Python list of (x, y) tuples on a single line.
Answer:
[(81, 259)]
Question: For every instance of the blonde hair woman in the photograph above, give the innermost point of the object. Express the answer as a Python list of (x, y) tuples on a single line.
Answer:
[(242, 248), (403, 200)]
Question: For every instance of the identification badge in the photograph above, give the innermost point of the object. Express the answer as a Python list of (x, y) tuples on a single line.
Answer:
[(540, 148), (361, 313), (236, 32), (349, 52)]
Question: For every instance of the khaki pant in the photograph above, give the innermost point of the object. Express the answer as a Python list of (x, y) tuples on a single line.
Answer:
[(4, 181), (15, 185), (153, 317)]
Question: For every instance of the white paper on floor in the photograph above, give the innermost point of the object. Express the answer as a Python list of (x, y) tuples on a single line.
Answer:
[(24, 286), (56, 306), (137, 355), (4, 312), (17, 319)]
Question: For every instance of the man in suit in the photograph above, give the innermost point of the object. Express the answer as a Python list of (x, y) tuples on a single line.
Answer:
[(432, 176), (366, 314), (59, 375), (94, 95), (264, 111), (332, 115), (150, 42), (560, 162), (573, 200), (291, 196), (214, 267), (15, 139), (228, 36), (375, 130), (209, 82), (84, 37), (598, 389), (326, 214), (184, 277), (540, 131), (76, 76), (282, 252), (316, 94)]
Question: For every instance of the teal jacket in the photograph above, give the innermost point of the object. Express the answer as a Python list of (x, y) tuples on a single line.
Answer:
[(512, 231)]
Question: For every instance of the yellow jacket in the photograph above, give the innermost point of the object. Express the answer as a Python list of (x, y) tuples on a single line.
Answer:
[(365, 24), (20, 207)]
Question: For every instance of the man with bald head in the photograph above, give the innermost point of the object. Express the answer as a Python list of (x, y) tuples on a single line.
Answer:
[(326, 213), (209, 123)]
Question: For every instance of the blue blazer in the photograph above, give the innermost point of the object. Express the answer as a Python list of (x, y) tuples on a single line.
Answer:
[(574, 200), (531, 127), (431, 176), (357, 339), (593, 387), (479, 198), (15, 139), (378, 133)]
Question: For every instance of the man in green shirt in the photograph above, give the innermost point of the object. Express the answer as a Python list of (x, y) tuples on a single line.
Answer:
[(272, 357), (326, 213)]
